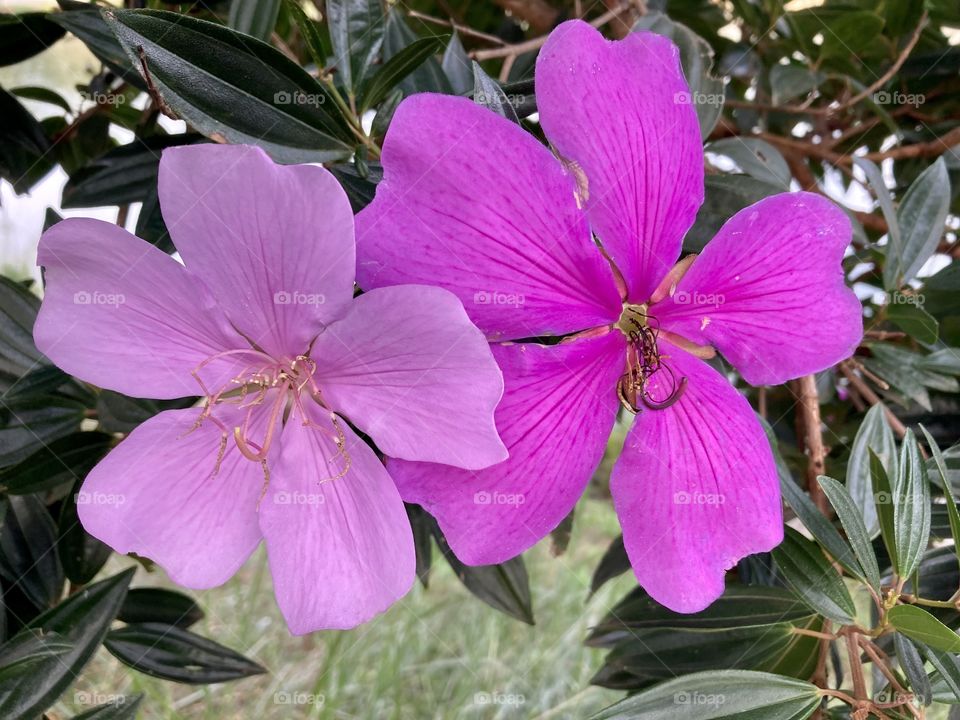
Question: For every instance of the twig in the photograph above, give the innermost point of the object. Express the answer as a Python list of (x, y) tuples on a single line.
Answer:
[(809, 401), (871, 397), (462, 29)]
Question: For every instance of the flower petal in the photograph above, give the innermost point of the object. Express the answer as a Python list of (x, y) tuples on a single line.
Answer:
[(471, 202), (156, 495), (119, 313), (622, 111), (695, 488), (557, 411), (768, 291), (274, 243), (340, 550), (408, 367)]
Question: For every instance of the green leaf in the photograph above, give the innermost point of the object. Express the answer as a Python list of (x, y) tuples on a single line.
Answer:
[(82, 620), (885, 200), (356, 31), (874, 433), (23, 145), (311, 35), (254, 17), (172, 653), (28, 651), (883, 495), (429, 76), (905, 311), (81, 554), (917, 624), (719, 694), (233, 87), (912, 665), (504, 587), (922, 215), (28, 557), (396, 69), (724, 196), (788, 82), (122, 708), (23, 36), (819, 526), (487, 92), (18, 311), (90, 27), (42, 94), (61, 462), (945, 681), (613, 564), (853, 526), (911, 508), (849, 33), (159, 605), (27, 425), (813, 577), (458, 66), (953, 513), (757, 158)]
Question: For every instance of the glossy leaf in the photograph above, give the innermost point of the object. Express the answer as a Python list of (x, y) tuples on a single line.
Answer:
[(917, 624), (819, 526), (429, 76), (815, 580), (757, 158), (124, 708), (458, 66), (356, 31), (883, 494), (487, 92), (853, 526), (159, 605), (912, 665), (922, 215), (396, 69), (254, 17), (911, 508), (28, 556)]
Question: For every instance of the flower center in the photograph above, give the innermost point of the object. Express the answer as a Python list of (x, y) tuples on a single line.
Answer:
[(643, 361), (269, 392)]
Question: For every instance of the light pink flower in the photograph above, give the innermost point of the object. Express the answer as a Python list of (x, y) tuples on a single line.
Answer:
[(263, 323)]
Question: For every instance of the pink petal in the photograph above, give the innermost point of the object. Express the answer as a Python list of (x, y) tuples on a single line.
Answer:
[(340, 550), (408, 368), (768, 291), (471, 202), (622, 111), (119, 313), (156, 495), (558, 408), (274, 243), (695, 488)]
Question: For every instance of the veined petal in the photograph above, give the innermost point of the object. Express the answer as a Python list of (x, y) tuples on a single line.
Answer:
[(408, 367), (768, 291), (558, 408), (471, 202), (622, 111), (121, 314), (340, 548), (695, 488), (274, 243), (157, 495)]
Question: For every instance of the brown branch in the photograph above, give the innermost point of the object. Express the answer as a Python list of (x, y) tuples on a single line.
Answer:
[(809, 401), (871, 397), (538, 13), (462, 29)]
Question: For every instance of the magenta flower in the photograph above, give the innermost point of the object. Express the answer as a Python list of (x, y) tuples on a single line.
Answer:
[(262, 322), (472, 203)]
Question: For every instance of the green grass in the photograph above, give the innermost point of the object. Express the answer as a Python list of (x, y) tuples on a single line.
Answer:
[(438, 653)]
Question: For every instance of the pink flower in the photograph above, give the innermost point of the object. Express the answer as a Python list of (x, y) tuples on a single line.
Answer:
[(472, 203), (262, 322)]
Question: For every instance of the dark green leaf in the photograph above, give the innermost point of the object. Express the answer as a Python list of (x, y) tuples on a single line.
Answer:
[(230, 86), (24, 145), (912, 665), (24, 35), (725, 195), (81, 554), (719, 694), (172, 653), (396, 68), (905, 311), (311, 35), (28, 651), (883, 496), (756, 158), (457, 66), (911, 508), (849, 33), (360, 191), (28, 556), (429, 76), (488, 93), (18, 311), (254, 17), (63, 461), (42, 94), (27, 425), (917, 624), (874, 433), (853, 526), (90, 27), (356, 31), (814, 578), (788, 82), (123, 708), (159, 605), (922, 215), (613, 564), (82, 620), (885, 200), (945, 681)]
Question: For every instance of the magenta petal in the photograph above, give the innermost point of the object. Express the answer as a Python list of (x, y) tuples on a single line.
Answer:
[(471, 202), (274, 243), (340, 550), (156, 495), (408, 367), (768, 291), (119, 313), (695, 488), (558, 407), (622, 111)]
